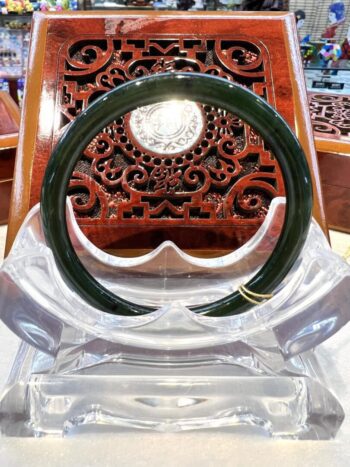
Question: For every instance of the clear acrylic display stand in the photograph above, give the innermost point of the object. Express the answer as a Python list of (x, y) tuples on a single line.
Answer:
[(80, 370)]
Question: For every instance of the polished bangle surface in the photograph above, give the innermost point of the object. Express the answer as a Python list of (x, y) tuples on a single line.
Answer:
[(197, 87)]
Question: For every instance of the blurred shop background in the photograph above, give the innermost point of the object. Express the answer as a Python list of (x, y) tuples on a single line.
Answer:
[(323, 28)]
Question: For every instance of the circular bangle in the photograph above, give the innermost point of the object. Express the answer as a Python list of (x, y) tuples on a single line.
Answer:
[(197, 87)]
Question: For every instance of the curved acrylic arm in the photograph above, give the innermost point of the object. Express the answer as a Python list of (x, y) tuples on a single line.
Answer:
[(145, 91)]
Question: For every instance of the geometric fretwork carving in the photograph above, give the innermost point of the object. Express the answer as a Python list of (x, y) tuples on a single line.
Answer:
[(226, 176), (330, 115)]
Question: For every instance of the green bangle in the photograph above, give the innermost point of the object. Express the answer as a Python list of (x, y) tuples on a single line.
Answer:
[(197, 87)]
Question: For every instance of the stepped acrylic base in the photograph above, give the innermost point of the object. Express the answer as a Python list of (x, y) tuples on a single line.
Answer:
[(114, 396), (80, 370)]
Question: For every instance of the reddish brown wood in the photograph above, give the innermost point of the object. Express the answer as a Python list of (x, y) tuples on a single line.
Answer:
[(7, 163), (330, 115), (335, 173), (227, 179), (9, 126), (9, 122), (13, 89), (337, 199), (140, 195), (5, 196)]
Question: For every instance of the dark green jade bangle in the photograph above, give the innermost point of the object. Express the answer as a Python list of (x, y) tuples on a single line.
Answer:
[(145, 91)]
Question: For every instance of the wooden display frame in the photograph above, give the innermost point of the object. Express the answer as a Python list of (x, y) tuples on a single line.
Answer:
[(55, 34)]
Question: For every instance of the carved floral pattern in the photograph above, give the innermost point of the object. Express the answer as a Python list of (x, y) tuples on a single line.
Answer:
[(330, 115), (226, 176)]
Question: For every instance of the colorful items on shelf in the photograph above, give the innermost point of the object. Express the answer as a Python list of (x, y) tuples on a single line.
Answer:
[(22, 7), (58, 5), (18, 7), (14, 45), (330, 52), (345, 50), (308, 52), (138, 3), (326, 51), (336, 18), (345, 47), (300, 18), (18, 24)]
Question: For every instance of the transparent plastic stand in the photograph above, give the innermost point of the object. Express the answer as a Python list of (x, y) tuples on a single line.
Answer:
[(80, 370)]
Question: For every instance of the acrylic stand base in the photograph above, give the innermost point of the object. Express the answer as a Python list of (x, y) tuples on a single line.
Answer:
[(80, 370), (293, 404)]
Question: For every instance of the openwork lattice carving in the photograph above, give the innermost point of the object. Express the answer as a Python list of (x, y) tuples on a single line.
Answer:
[(330, 115), (218, 172)]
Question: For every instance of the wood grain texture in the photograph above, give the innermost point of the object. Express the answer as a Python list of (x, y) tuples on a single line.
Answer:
[(9, 127), (5, 195), (335, 174), (337, 199), (98, 51), (9, 121), (7, 163)]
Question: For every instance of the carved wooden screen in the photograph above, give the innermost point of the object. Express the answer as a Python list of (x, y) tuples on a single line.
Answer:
[(330, 116), (214, 183), (214, 170)]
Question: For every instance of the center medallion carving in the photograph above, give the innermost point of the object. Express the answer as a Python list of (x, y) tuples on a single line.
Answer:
[(167, 127), (175, 163)]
